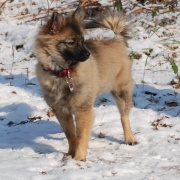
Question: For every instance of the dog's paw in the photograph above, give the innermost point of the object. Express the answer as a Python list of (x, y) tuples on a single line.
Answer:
[(131, 142), (67, 157), (79, 157)]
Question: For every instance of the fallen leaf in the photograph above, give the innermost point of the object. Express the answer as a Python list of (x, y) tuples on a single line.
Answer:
[(19, 46), (165, 125), (158, 123), (2, 69), (150, 93), (43, 172), (176, 85), (34, 118), (10, 123), (171, 104), (101, 135), (33, 3), (50, 113)]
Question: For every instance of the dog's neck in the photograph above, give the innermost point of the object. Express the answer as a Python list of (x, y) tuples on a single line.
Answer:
[(59, 73), (63, 73)]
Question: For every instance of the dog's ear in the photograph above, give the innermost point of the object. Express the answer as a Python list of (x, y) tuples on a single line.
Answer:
[(79, 14), (56, 22)]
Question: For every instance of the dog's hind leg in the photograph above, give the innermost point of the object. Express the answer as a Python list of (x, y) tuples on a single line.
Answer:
[(67, 123), (123, 97), (84, 120)]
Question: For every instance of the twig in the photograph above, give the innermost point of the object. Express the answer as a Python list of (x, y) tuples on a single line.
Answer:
[(3, 3), (27, 71), (102, 118), (48, 7), (12, 63), (35, 19), (144, 70)]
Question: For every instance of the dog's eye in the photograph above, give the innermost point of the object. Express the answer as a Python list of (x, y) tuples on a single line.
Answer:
[(70, 43)]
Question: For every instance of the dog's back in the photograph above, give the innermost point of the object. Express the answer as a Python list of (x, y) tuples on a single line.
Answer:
[(113, 64)]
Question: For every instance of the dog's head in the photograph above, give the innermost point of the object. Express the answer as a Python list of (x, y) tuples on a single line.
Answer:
[(62, 38)]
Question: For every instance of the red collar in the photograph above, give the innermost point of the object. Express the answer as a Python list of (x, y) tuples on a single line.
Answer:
[(63, 73)]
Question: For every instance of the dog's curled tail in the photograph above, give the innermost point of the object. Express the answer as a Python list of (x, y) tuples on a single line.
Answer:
[(116, 21)]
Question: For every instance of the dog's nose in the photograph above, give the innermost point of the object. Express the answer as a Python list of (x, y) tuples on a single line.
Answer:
[(87, 54)]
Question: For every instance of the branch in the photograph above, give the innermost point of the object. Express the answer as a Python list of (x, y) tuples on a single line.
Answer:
[(3, 3)]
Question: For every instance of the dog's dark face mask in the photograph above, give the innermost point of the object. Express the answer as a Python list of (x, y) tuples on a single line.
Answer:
[(73, 49)]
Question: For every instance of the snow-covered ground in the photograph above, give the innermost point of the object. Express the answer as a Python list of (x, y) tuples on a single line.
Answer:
[(32, 143)]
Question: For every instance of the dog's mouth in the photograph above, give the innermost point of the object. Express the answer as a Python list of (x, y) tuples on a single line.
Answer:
[(77, 59), (67, 64), (75, 55)]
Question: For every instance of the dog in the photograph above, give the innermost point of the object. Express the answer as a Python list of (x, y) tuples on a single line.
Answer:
[(73, 71)]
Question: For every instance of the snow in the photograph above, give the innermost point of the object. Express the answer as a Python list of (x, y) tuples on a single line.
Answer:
[(32, 144)]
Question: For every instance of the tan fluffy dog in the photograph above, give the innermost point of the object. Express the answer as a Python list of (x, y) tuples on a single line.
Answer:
[(72, 72)]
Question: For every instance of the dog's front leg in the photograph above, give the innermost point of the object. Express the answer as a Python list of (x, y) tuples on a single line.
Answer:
[(84, 120), (67, 123)]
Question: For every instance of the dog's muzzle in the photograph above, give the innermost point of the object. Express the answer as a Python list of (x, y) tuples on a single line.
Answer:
[(83, 56)]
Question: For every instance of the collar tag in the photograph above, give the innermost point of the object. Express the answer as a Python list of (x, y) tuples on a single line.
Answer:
[(69, 80)]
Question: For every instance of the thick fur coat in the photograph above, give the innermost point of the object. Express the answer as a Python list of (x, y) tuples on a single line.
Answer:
[(97, 65)]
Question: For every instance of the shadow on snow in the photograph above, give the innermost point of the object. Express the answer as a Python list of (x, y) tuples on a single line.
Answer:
[(145, 97), (19, 135), (148, 97), (21, 81)]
